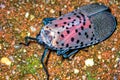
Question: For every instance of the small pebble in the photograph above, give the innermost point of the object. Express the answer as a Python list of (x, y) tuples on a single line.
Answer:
[(28, 33), (113, 49), (98, 78), (13, 72), (113, 56), (52, 11), (8, 12), (35, 55), (115, 39), (99, 52), (24, 50), (76, 71), (33, 29), (99, 57), (65, 6), (5, 61), (7, 77), (2, 6), (11, 58), (89, 62), (32, 17), (115, 65), (0, 46), (41, 66), (17, 46), (83, 77), (26, 14), (52, 2), (87, 0)]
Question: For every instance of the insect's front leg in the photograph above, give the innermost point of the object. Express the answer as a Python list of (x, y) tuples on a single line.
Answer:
[(27, 42)]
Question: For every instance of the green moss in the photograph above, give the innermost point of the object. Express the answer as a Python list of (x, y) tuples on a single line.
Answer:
[(90, 76), (30, 65), (118, 53)]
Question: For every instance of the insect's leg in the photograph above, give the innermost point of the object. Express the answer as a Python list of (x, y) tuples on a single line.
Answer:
[(61, 52), (27, 40), (58, 52), (71, 53), (42, 61), (47, 20), (60, 13)]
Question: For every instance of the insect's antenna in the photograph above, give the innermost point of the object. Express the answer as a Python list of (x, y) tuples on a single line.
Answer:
[(27, 42), (42, 61)]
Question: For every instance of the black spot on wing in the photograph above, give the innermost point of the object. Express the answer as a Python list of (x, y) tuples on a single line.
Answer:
[(67, 45), (82, 28), (77, 41), (69, 17), (67, 28), (61, 48), (73, 25), (82, 15), (68, 31), (76, 47), (56, 25), (62, 44), (58, 32), (91, 43), (79, 21), (83, 22), (76, 30), (78, 16), (70, 47), (57, 42), (86, 34), (74, 20), (81, 43), (60, 18), (68, 24), (75, 13), (79, 33), (62, 35), (65, 22), (91, 38), (89, 26), (72, 39)]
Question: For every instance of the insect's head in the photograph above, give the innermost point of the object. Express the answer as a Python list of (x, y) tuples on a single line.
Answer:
[(45, 37)]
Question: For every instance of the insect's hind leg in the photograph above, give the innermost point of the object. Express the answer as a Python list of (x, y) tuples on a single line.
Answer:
[(47, 20), (71, 53), (27, 42)]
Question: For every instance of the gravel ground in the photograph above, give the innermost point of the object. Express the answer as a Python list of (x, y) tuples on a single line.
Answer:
[(20, 18)]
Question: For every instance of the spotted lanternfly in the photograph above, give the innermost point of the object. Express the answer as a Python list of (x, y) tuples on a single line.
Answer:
[(83, 27)]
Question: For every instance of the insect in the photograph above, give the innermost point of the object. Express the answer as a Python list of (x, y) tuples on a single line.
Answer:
[(83, 27)]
